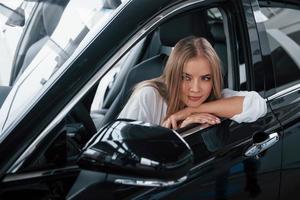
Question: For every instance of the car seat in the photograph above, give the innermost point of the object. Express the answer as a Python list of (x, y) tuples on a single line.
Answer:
[(219, 37), (51, 13), (170, 33)]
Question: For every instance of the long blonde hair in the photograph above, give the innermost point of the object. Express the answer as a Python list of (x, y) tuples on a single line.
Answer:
[(169, 83)]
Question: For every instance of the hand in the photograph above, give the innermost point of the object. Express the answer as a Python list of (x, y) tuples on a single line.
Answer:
[(201, 118), (172, 121)]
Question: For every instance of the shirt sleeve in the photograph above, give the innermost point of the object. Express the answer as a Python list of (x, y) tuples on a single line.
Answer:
[(143, 105), (254, 106)]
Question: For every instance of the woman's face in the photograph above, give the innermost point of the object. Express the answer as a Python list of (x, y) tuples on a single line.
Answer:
[(196, 84)]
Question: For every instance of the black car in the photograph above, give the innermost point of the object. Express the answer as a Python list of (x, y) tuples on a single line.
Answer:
[(73, 69)]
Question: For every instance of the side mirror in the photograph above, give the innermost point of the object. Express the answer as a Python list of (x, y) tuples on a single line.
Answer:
[(138, 153), (14, 17)]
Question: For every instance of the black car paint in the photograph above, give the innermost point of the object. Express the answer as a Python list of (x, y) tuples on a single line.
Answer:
[(287, 109), (225, 176), (48, 107), (134, 139), (228, 175)]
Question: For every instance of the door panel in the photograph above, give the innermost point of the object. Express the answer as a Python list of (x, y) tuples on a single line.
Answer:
[(283, 31), (222, 171), (287, 109)]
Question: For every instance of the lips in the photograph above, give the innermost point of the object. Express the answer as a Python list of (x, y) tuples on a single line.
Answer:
[(194, 98)]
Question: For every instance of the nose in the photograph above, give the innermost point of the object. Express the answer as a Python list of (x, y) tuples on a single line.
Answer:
[(195, 86)]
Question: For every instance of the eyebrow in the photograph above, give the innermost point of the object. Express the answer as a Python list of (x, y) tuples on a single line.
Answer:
[(186, 74)]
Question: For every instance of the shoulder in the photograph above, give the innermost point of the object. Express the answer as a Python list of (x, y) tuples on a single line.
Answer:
[(147, 92)]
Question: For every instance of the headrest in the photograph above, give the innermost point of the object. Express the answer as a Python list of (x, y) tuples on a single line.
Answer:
[(148, 69), (217, 31), (52, 12), (182, 26)]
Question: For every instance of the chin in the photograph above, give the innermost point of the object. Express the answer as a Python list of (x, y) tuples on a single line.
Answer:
[(194, 105)]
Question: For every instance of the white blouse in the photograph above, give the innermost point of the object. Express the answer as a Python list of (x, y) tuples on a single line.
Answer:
[(147, 105)]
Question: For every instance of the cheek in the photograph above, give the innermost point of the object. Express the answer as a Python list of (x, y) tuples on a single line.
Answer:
[(183, 88), (208, 88), (183, 91)]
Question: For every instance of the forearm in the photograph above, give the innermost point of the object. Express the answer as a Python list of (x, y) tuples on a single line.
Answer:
[(226, 107)]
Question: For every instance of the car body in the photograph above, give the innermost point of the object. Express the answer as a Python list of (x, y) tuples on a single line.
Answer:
[(59, 135)]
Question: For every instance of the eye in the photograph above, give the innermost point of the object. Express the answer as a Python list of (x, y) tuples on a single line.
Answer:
[(186, 78), (206, 78)]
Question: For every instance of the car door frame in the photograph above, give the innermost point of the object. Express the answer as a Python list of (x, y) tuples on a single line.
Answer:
[(254, 57), (285, 104), (47, 112)]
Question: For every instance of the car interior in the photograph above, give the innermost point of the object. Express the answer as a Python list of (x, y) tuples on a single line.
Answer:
[(35, 36), (46, 20), (152, 64), (145, 60)]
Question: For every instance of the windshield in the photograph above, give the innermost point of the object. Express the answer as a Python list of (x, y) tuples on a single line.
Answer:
[(78, 22)]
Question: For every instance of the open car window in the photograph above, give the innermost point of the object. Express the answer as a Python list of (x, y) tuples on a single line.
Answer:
[(150, 47)]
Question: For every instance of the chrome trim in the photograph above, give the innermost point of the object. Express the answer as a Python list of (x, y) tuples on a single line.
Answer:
[(257, 148), (191, 131), (14, 168), (149, 183), (182, 140), (284, 92)]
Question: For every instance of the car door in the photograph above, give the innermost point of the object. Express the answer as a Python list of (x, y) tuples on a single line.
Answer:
[(224, 168), (31, 136), (26, 170), (209, 170), (282, 28)]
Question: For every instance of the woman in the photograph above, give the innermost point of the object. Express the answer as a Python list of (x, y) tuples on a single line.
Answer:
[(190, 91)]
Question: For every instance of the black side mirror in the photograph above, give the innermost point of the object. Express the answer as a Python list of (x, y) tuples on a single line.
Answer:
[(14, 17), (138, 153)]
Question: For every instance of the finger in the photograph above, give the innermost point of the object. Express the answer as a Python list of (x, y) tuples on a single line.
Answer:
[(210, 116), (166, 124), (173, 123), (180, 115), (184, 123), (190, 120), (208, 120), (202, 119)]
